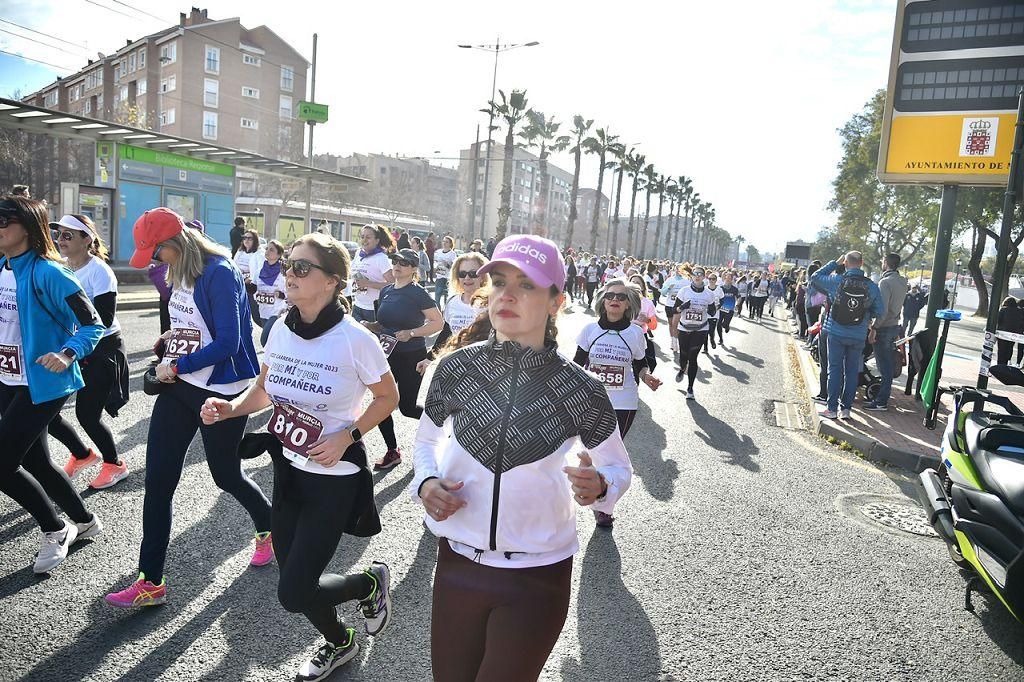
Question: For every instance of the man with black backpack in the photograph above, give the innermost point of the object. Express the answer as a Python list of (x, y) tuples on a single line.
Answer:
[(854, 301)]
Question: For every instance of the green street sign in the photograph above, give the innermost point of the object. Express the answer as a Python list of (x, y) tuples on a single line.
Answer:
[(311, 111)]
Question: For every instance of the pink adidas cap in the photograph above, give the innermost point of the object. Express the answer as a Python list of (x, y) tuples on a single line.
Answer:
[(537, 257)]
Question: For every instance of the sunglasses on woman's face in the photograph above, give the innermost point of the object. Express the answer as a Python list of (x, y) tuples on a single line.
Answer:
[(66, 236), (472, 274), (6, 220), (617, 297), (301, 267)]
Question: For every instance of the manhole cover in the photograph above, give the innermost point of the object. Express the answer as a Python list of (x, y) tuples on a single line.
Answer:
[(899, 516)]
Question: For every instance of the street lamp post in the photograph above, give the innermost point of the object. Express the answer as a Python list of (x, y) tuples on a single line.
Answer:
[(497, 47), (956, 284)]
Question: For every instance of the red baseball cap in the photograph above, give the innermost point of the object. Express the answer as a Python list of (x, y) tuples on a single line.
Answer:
[(152, 227)]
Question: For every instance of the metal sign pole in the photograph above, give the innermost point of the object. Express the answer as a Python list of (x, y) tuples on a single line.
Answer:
[(312, 126), (940, 262), (1003, 249)]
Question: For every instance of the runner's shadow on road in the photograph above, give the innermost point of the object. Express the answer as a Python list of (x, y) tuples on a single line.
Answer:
[(746, 357), (730, 371), (718, 435), (657, 474), (193, 558), (603, 638)]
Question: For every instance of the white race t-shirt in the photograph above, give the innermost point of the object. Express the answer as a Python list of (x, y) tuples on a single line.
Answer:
[(317, 387), (719, 295), (695, 318), (97, 279), (443, 261), (266, 296), (189, 334), (12, 353), (672, 285), (244, 260), (460, 315), (611, 360), (373, 267)]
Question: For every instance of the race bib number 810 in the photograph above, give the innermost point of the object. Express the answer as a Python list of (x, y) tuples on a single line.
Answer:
[(296, 430)]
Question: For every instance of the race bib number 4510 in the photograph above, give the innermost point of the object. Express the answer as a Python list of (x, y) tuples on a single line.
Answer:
[(296, 430), (265, 298), (182, 342)]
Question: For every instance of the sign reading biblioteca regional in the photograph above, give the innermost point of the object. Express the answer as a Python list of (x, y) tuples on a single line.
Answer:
[(951, 104)]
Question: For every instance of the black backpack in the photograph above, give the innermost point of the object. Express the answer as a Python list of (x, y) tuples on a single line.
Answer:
[(851, 304)]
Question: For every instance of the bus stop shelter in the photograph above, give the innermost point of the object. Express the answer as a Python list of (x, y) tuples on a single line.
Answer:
[(136, 169)]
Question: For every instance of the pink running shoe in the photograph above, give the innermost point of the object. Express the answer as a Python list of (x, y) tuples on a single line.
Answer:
[(139, 593), (264, 553), (109, 475), (75, 465)]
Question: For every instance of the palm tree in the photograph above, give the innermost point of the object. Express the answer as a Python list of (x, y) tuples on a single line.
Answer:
[(650, 184), (621, 165), (540, 134), (581, 127), (512, 110), (672, 189), (600, 143), (636, 164), (685, 188), (666, 185)]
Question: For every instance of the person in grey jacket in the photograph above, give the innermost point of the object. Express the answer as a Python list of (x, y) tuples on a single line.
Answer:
[(893, 288)]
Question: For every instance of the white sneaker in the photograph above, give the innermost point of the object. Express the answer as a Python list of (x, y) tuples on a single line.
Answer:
[(327, 658), (54, 548), (689, 395), (844, 414), (90, 529)]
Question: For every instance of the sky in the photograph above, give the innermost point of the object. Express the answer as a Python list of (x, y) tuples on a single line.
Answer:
[(743, 97)]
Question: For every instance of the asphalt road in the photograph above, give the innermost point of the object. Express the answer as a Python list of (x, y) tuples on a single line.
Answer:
[(740, 553)]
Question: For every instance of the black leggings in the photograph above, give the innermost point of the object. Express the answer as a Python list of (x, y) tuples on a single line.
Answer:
[(591, 288), (172, 427), (724, 323), (757, 306), (27, 475), (1004, 351), (403, 367), (507, 619), (311, 512), (712, 326), (570, 287), (690, 344), (99, 371), (625, 419)]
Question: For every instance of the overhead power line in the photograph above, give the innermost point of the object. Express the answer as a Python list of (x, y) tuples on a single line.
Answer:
[(38, 61), (48, 35), (41, 42)]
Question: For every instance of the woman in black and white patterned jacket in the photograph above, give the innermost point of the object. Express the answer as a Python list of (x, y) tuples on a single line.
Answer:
[(501, 418)]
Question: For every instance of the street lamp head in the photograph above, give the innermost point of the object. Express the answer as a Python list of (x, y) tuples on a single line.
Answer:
[(466, 47), (532, 43)]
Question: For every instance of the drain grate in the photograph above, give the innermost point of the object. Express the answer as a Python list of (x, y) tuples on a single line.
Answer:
[(787, 416), (899, 516)]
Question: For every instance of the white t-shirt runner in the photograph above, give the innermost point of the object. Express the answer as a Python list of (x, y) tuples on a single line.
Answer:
[(719, 295), (12, 351), (695, 317), (672, 286), (611, 360), (373, 267), (97, 279), (317, 387), (443, 261), (189, 334), (460, 315), (266, 296)]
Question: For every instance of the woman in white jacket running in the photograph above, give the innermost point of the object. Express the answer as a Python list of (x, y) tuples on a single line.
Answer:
[(501, 419)]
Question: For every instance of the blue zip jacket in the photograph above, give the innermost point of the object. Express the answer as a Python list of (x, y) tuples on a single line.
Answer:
[(829, 283), (77, 325), (221, 300)]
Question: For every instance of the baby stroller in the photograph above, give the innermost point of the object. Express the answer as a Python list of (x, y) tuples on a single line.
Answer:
[(871, 382)]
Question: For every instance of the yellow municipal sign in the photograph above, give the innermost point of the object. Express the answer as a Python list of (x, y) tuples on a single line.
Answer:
[(951, 102), (289, 229)]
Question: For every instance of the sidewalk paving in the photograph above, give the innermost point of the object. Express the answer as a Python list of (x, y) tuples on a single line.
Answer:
[(898, 436)]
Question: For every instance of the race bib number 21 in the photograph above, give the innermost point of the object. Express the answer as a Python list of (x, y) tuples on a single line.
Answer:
[(10, 360)]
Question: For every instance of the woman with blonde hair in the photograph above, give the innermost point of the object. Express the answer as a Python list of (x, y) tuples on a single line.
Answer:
[(466, 304), (208, 353)]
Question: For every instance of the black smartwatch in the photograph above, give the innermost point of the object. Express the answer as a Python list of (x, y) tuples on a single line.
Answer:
[(69, 354), (356, 434)]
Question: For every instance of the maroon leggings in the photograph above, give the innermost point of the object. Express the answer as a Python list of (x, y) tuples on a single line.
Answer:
[(495, 624)]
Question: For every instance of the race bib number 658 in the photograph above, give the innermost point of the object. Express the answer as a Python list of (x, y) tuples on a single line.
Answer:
[(612, 376)]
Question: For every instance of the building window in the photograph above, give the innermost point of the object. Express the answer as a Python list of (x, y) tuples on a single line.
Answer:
[(140, 87), (250, 59), (284, 139), (117, 71), (286, 107), (50, 100), (212, 59), (287, 78), (211, 92), (142, 58), (168, 84), (209, 125), (76, 93), (250, 124), (124, 93), (94, 79), (167, 117), (250, 92), (88, 106), (169, 53), (132, 62)]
